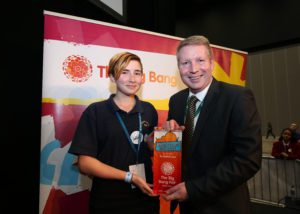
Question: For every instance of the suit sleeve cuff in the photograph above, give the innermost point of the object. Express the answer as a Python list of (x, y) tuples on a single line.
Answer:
[(191, 191)]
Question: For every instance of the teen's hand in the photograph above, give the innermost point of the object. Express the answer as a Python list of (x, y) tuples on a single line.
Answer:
[(142, 185)]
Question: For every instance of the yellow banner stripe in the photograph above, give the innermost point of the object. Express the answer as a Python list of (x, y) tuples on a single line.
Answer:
[(158, 104)]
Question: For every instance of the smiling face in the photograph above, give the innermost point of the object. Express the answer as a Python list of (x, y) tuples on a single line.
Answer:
[(130, 79), (286, 135), (195, 66)]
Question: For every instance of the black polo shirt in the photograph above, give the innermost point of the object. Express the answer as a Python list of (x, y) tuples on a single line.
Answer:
[(99, 134)]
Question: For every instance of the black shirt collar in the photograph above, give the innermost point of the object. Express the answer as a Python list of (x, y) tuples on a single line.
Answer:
[(137, 108)]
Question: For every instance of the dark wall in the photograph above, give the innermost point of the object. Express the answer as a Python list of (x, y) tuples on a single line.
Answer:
[(245, 25), (21, 69), (274, 76)]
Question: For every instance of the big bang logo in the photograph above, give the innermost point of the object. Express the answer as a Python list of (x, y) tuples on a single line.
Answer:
[(77, 68)]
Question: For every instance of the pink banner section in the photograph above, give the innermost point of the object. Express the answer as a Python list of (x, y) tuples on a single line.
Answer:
[(70, 30)]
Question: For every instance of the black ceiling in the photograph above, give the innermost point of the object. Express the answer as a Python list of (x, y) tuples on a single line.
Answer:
[(240, 24)]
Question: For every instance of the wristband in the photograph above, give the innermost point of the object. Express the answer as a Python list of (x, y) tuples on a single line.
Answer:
[(128, 177)]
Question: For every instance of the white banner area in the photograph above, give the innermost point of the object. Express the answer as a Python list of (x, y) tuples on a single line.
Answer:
[(160, 72)]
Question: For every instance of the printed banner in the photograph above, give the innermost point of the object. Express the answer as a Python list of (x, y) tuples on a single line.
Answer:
[(76, 54)]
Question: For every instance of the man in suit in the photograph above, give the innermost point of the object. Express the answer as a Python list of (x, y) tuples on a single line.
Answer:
[(225, 147)]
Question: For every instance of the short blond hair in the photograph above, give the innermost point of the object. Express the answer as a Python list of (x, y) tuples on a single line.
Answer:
[(120, 61), (195, 40)]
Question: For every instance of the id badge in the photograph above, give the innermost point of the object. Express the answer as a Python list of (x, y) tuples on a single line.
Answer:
[(138, 169)]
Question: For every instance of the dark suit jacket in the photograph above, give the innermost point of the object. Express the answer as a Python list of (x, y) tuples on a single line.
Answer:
[(225, 150)]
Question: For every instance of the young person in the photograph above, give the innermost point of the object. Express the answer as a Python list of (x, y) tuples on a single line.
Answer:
[(296, 135), (223, 147), (286, 147), (110, 144)]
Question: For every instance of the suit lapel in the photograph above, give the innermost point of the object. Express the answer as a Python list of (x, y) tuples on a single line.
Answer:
[(181, 106), (207, 108)]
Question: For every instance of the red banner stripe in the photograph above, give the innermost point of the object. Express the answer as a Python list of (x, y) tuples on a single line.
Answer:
[(64, 29)]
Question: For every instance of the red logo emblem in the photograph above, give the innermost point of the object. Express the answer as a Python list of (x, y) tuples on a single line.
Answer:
[(77, 68)]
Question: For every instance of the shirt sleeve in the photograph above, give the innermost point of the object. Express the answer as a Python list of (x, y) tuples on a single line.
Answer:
[(85, 138)]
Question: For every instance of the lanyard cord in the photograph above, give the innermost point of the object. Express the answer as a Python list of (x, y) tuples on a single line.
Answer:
[(127, 134), (197, 110)]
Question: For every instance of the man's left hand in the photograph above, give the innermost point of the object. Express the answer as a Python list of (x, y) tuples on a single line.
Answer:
[(177, 192)]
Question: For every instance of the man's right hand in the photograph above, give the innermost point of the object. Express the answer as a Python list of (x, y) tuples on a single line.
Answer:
[(172, 125)]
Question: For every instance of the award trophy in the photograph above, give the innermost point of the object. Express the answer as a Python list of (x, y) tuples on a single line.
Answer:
[(166, 160)]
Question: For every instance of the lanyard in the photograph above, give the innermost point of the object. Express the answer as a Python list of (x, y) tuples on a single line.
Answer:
[(127, 134)]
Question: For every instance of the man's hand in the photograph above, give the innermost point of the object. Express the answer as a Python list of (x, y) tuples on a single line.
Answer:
[(172, 125), (177, 192), (149, 139)]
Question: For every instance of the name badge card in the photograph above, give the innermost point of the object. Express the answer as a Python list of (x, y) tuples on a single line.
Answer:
[(138, 169)]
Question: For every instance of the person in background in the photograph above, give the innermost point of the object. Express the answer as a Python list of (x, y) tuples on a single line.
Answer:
[(270, 131), (225, 149), (296, 135), (109, 142), (286, 147)]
